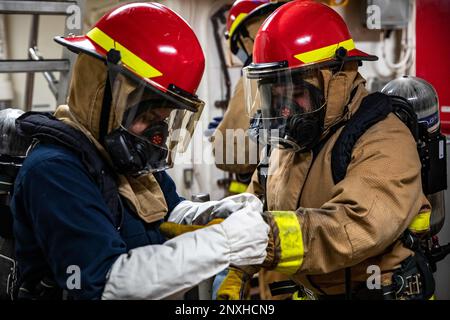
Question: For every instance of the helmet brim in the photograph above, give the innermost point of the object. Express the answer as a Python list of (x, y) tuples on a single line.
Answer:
[(83, 44), (356, 54)]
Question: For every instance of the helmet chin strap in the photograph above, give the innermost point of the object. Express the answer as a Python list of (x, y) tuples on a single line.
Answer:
[(242, 53), (113, 56), (248, 61), (106, 110)]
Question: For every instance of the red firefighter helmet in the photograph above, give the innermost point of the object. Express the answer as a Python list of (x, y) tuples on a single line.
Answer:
[(305, 32), (155, 44), (243, 11)]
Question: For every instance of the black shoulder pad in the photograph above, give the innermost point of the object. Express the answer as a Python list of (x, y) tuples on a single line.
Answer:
[(374, 108)]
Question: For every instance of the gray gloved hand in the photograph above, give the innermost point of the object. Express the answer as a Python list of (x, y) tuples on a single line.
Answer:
[(200, 213)]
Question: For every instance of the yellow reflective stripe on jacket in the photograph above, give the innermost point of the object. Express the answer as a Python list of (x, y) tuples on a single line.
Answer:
[(421, 222), (236, 22), (291, 241), (298, 296), (325, 52), (131, 60), (237, 187)]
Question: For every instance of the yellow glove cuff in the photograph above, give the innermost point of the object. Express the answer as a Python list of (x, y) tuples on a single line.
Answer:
[(235, 286), (172, 229)]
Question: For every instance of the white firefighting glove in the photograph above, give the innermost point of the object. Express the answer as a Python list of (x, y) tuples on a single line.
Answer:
[(160, 271)]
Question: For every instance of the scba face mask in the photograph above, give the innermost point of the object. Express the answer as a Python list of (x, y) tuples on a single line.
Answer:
[(134, 154), (152, 124), (292, 109)]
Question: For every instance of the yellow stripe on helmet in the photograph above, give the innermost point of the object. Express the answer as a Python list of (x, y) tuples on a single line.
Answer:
[(236, 22), (291, 241), (325, 52), (131, 60), (421, 222)]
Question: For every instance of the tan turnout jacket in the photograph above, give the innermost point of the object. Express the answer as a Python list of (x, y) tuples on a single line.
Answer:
[(356, 223), (231, 129)]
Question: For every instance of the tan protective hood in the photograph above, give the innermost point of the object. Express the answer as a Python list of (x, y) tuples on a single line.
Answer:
[(227, 139), (83, 113), (338, 88)]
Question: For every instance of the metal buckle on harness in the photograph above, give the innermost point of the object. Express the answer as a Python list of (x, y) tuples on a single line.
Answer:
[(410, 286), (298, 291), (306, 294), (8, 278), (413, 285)]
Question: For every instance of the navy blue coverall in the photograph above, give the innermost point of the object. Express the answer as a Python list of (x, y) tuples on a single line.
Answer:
[(61, 220)]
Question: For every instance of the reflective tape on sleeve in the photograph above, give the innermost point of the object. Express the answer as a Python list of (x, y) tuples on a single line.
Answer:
[(291, 241)]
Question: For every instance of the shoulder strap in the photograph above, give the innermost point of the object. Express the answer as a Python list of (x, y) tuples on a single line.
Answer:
[(262, 169), (374, 108)]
